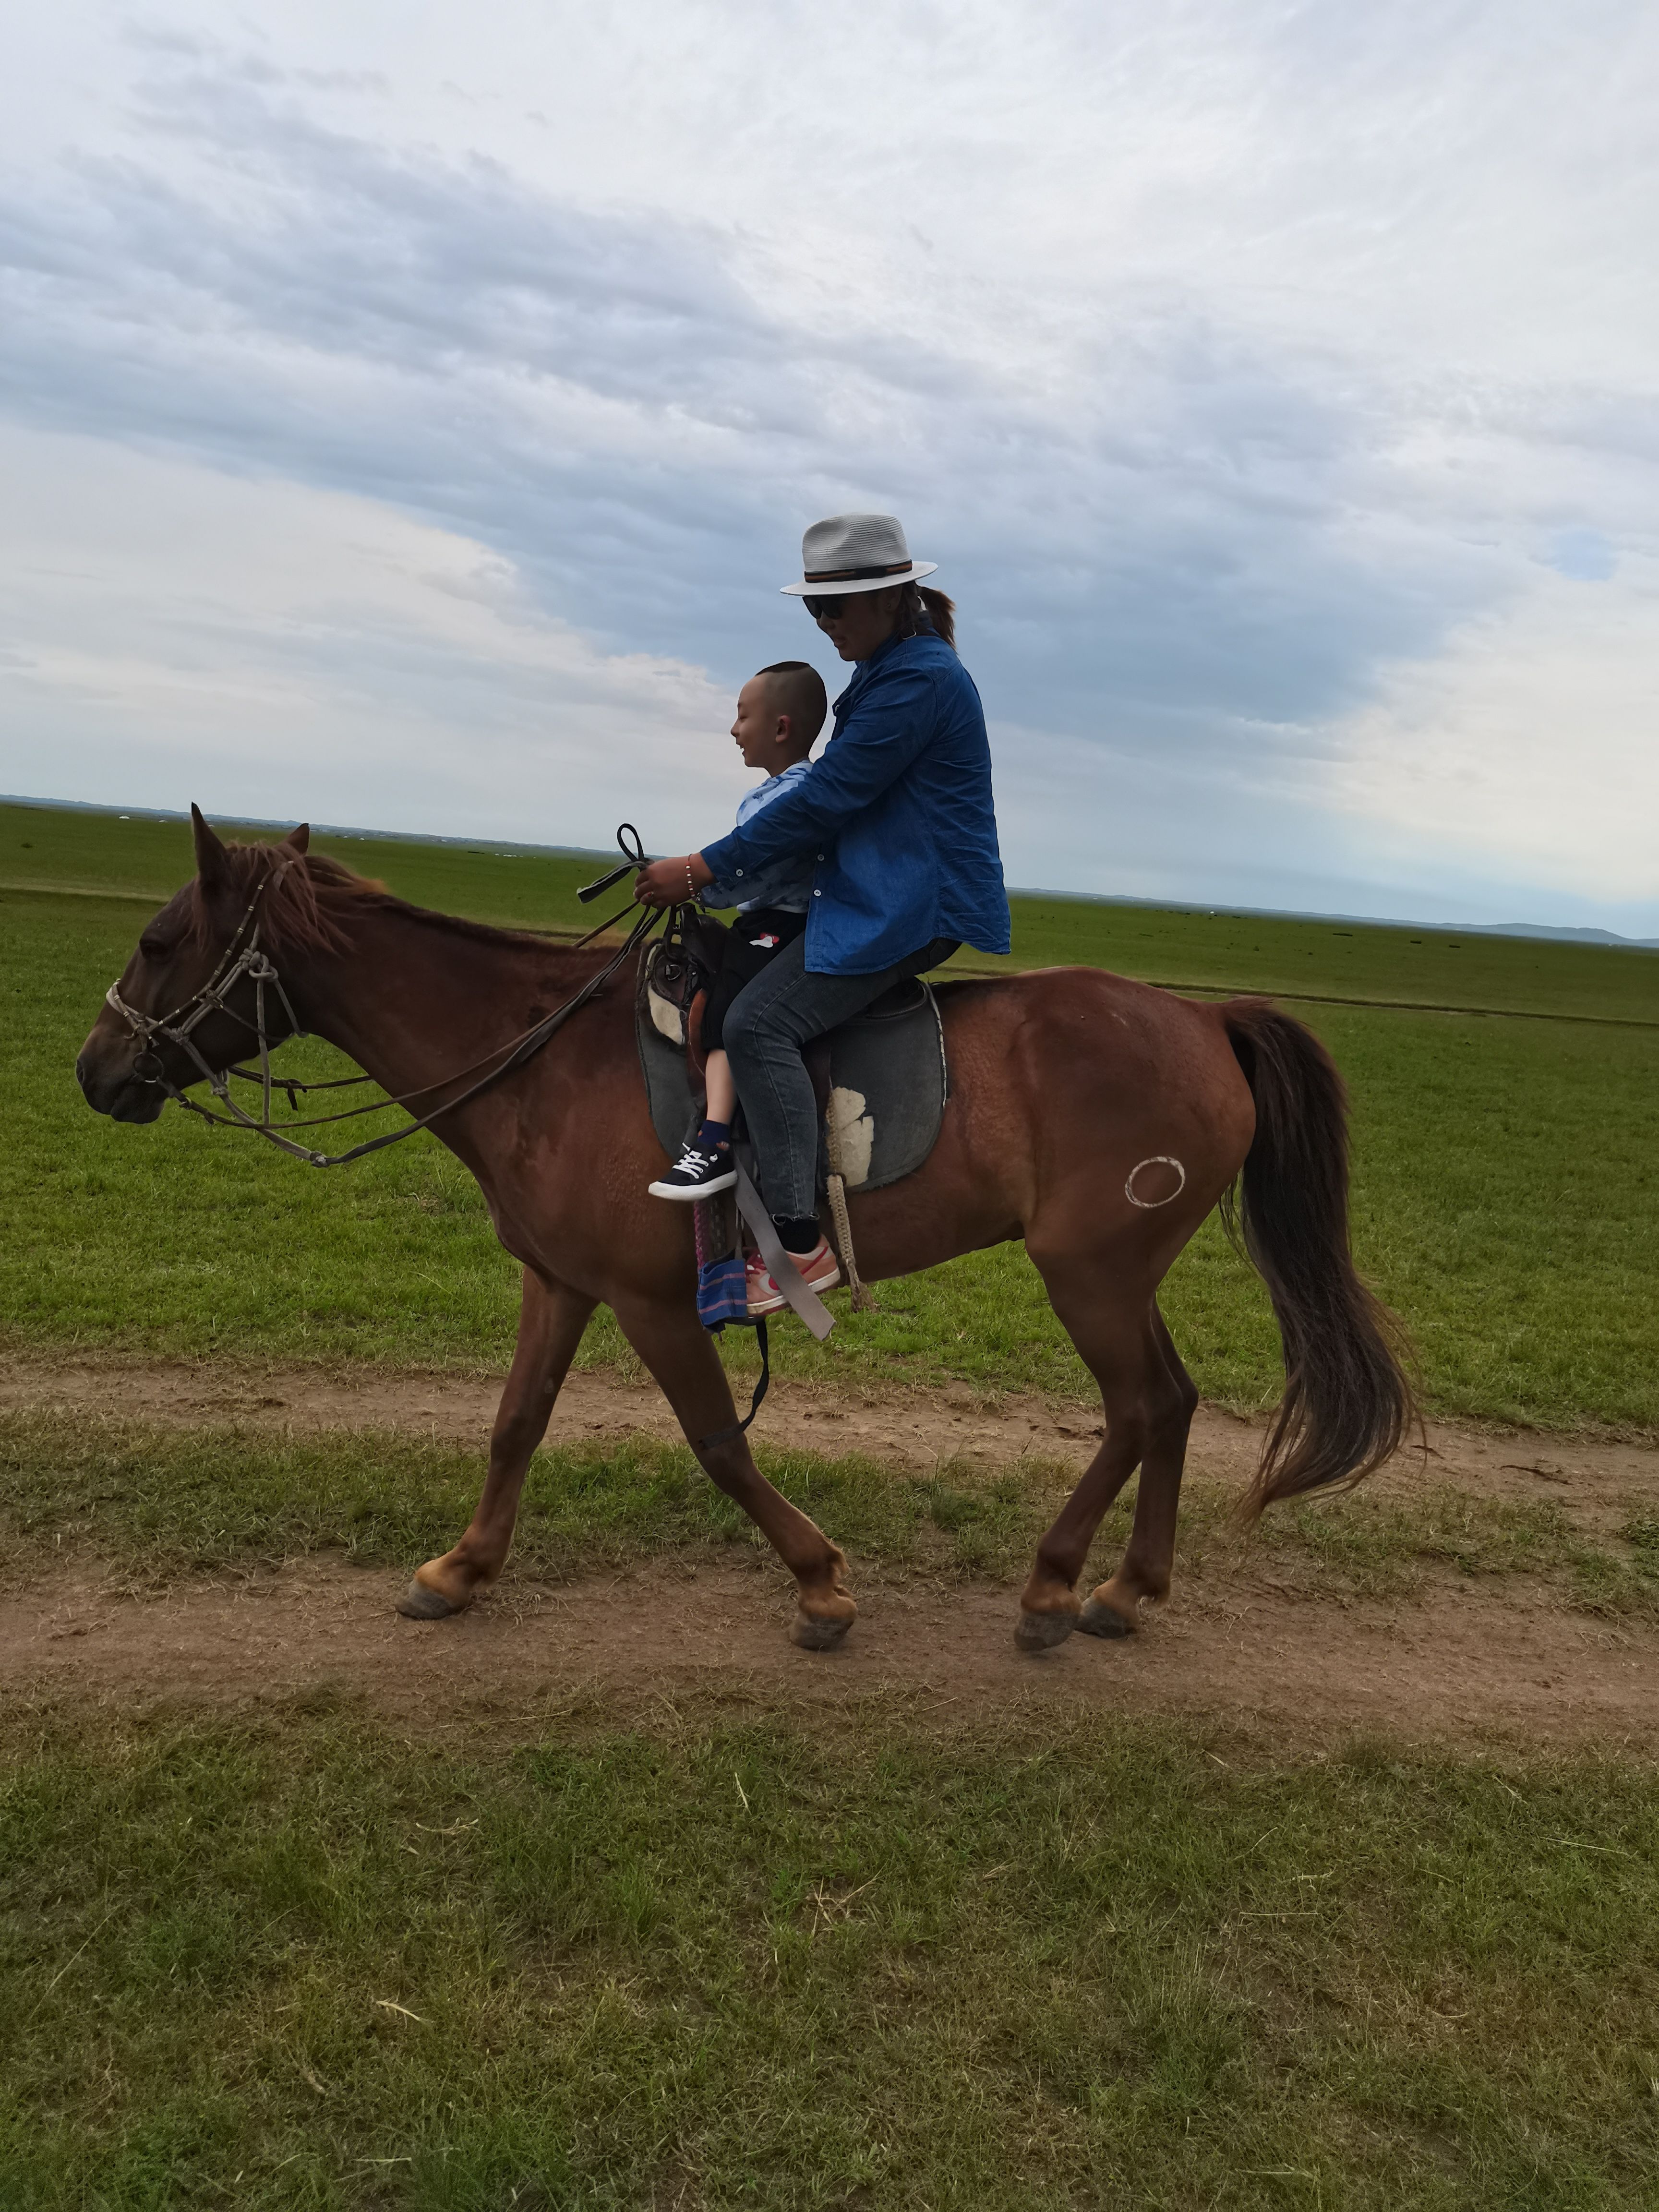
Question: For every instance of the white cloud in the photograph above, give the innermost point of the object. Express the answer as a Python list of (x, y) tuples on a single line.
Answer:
[(168, 633), (1244, 365), (1528, 748)]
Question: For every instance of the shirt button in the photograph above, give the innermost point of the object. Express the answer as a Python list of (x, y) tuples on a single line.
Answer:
[(820, 856), (817, 894), (740, 871)]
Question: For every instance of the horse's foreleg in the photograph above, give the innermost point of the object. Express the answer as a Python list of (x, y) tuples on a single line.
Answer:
[(1143, 1573), (1115, 1344), (550, 1323), (682, 1357)]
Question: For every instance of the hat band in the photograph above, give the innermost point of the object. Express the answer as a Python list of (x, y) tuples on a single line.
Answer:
[(857, 575)]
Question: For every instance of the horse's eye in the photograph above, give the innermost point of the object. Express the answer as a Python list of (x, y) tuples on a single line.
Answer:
[(153, 948)]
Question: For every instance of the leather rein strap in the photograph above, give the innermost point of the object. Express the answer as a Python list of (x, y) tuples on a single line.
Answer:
[(242, 958)]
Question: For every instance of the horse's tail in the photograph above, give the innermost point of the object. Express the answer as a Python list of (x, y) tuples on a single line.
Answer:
[(1347, 1405)]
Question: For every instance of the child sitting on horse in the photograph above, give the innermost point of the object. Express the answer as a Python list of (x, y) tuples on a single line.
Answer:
[(896, 822), (780, 713)]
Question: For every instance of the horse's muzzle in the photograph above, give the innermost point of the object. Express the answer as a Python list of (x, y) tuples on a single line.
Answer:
[(113, 1081)]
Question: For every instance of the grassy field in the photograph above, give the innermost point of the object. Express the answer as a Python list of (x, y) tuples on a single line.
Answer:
[(1506, 1197), (55, 848), (291, 1956), (68, 850), (158, 1504), (298, 1960)]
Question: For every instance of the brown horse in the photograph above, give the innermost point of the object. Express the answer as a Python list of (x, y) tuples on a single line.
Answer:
[(1099, 1119)]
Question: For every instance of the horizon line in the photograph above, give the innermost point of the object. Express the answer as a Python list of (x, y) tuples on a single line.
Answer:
[(1564, 933)]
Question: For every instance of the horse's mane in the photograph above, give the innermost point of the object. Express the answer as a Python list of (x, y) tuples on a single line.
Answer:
[(307, 897)]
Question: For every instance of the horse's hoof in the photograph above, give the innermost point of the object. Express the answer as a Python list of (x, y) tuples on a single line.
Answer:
[(1041, 1631), (420, 1603), (1098, 1619), (813, 1634)]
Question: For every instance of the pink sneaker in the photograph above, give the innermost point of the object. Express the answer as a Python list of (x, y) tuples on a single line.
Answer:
[(819, 1268)]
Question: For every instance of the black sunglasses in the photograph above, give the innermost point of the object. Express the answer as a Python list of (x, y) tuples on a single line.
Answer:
[(826, 605)]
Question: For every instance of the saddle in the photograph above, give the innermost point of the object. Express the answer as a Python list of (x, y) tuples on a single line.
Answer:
[(881, 1078)]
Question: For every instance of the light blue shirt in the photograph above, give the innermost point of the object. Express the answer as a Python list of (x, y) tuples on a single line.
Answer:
[(785, 882)]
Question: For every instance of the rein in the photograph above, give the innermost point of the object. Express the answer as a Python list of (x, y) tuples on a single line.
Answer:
[(241, 959)]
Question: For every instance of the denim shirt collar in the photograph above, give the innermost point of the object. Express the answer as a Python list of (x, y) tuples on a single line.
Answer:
[(864, 671)]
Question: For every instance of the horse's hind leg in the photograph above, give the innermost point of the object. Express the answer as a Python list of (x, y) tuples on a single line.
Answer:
[(1116, 1342), (1143, 1573), (681, 1356), (552, 1319)]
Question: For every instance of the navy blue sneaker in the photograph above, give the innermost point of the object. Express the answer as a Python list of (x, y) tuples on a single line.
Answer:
[(696, 1174)]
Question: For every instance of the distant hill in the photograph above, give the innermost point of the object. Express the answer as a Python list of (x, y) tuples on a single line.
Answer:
[(1576, 936)]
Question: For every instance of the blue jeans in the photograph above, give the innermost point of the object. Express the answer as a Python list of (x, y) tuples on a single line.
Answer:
[(767, 1027)]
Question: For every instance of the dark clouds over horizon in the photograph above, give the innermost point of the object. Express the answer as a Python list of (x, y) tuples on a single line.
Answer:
[(1223, 563)]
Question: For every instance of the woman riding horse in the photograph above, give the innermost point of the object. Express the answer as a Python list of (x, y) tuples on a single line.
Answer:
[(897, 813)]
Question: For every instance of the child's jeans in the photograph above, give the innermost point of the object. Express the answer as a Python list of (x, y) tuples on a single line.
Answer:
[(767, 1027)]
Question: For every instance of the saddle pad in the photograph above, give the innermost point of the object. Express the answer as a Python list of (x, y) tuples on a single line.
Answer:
[(889, 1082)]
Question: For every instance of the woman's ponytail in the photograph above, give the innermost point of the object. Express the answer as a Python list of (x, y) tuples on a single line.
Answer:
[(921, 611)]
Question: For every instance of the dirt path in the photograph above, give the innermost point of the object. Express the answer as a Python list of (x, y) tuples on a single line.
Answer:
[(907, 1428), (1465, 1668), (1458, 1664)]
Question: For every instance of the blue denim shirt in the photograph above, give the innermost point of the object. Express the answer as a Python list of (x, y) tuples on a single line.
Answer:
[(897, 814)]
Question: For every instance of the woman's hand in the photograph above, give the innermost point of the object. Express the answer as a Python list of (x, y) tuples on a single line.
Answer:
[(671, 883)]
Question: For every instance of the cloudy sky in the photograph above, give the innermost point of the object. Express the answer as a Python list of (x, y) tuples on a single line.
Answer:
[(407, 417)]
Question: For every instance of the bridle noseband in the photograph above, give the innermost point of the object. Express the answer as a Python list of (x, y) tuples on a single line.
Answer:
[(237, 960)]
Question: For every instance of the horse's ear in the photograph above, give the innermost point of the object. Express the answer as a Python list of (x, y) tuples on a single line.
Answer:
[(212, 862), (299, 840)]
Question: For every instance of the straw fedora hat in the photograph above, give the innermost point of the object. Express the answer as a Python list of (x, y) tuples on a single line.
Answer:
[(856, 553)]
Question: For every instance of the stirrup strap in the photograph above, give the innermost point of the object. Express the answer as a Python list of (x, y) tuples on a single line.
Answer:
[(726, 1436), (782, 1268)]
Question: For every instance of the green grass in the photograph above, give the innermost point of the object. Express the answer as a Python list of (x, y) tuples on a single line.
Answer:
[(156, 1505), (295, 1958), (1506, 1199), (53, 848), (61, 848), (299, 1961), (1238, 952)]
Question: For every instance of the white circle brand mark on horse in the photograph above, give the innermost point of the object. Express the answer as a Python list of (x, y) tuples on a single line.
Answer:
[(1157, 1160)]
